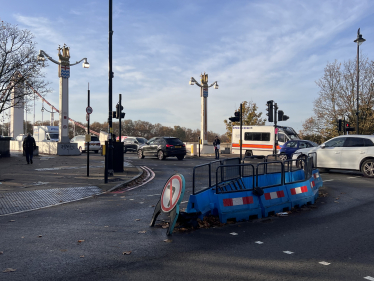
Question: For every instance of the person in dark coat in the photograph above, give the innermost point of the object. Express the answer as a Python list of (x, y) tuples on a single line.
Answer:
[(216, 144), (28, 146)]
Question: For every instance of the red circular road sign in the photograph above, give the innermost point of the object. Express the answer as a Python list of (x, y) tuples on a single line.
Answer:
[(172, 192), (89, 109)]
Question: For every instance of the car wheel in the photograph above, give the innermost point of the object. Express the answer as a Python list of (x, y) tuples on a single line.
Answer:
[(140, 154), (96, 151), (80, 149), (283, 157), (161, 155), (180, 157), (367, 168)]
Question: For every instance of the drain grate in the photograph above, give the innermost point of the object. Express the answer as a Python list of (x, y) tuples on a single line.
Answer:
[(17, 202)]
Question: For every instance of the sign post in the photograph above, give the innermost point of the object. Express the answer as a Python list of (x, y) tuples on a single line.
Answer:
[(171, 197), (88, 138)]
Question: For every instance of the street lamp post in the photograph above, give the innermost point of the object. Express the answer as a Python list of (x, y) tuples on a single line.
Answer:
[(64, 147), (204, 106), (359, 41)]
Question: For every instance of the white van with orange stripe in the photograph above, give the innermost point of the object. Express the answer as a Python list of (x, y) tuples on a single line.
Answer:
[(259, 140)]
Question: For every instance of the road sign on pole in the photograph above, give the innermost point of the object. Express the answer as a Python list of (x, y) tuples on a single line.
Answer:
[(89, 109)]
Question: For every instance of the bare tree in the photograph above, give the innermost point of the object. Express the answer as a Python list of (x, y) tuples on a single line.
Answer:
[(19, 67), (337, 99)]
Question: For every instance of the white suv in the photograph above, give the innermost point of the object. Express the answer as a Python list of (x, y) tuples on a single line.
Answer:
[(350, 152), (82, 146)]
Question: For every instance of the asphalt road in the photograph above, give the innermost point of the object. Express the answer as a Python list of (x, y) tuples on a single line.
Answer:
[(85, 240)]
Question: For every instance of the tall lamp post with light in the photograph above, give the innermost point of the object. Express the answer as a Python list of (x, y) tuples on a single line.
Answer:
[(359, 41), (64, 146), (204, 106)]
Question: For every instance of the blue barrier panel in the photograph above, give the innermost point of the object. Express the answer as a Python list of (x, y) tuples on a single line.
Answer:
[(302, 193), (202, 202), (275, 199), (238, 205), (316, 182)]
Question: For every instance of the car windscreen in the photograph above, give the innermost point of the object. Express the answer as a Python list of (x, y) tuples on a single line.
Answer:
[(141, 140), (93, 138), (174, 141), (53, 136)]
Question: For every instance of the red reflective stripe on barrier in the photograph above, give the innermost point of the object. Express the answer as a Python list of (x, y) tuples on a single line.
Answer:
[(312, 184), (229, 202), (298, 190), (316, 175), (248, 200), (274, 195)]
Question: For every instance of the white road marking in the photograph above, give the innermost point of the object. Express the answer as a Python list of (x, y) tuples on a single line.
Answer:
[(184, 202), (369, 278), (259, 242), (234, 233), (328, 180), (288, 252), (354, 177), (324, 262)]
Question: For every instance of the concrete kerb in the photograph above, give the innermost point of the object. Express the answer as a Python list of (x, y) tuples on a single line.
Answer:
[(140, 173)]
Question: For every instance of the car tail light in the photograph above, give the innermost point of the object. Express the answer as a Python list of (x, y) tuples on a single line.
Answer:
[(169, 145), (183, 145)]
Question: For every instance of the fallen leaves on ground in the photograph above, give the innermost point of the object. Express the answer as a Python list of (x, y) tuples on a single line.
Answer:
[(1, 252), (126, 253), (80, 241), (40, 236), (9, 270), (143, 231), (82, 256), (168, 240), (12, 221), (137, 220)]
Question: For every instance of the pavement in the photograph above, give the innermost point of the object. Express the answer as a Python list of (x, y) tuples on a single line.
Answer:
[(53, 180)]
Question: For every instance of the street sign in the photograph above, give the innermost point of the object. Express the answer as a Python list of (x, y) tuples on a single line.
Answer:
[(205, 92), (171, 197), (171, 193), (89, 109)]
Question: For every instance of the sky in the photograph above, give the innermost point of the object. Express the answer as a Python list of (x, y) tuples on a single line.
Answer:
[(257, 50)]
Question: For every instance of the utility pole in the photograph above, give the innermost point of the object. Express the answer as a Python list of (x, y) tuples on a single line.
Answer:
[(88, 133)]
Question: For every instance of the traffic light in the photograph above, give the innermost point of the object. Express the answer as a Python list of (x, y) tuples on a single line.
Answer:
[(118, 113), (236, 118), (281, 116), (340, 122), (348, 127), (270, 110)]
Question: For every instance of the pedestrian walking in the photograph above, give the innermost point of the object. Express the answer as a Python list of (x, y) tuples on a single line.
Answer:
[(216, 144), (28, 146)]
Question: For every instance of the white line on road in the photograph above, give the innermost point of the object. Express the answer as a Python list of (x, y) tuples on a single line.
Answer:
[(369, 278), (184, 202), (324, 262), (259, 242), (354, 177), (328, 180), (288, 252)]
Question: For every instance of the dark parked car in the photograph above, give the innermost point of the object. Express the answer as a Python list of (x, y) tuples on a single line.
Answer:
[(133, 143), (291, 146), (163, 147)]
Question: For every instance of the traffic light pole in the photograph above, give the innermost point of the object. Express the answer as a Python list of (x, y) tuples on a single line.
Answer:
[(120, 119), (275, 128), (109, 149), (241, 125)]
